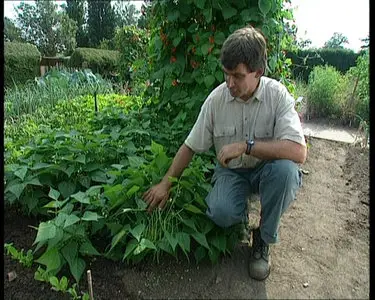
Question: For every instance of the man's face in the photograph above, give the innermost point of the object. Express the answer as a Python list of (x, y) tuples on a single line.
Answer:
[(241, 82)]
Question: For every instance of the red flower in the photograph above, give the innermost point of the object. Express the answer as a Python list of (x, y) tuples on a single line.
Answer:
[(174, 82), (173, 59), (212, 40)]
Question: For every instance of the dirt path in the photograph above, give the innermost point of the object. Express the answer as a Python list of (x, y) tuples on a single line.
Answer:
[(323, 253)]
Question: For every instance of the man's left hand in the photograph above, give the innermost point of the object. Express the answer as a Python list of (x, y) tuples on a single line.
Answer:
[(229, 152)]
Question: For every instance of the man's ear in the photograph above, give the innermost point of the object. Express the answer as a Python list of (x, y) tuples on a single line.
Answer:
[(259, 73)]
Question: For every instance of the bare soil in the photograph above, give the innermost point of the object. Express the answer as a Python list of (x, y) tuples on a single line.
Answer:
[(323, 250)]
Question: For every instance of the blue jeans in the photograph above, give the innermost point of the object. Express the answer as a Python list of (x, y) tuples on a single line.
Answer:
[(276, 181)]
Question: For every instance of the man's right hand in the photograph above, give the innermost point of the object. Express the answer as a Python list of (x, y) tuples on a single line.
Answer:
[(157, 196)]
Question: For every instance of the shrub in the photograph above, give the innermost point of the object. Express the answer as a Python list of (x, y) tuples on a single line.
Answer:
[(132, 43), (360, 99), (22, 63), (327, 92), (99, 61)]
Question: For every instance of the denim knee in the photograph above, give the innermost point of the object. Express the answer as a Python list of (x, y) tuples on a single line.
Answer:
[(284, 169)]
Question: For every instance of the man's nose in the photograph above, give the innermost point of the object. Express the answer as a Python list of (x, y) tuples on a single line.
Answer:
[(230, 81)]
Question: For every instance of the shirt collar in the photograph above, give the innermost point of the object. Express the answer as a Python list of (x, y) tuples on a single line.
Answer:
[(258, 94)]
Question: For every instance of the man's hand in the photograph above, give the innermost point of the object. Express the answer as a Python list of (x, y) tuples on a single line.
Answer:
[(229, 152), (157, 196)]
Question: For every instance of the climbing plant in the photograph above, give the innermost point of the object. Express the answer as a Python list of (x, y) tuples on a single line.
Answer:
[(186, 38)]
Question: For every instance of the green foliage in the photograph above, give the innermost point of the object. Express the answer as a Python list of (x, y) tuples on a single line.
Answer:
[(21, 63), (42, 25), (360, 75), (101, 21), (11, 32), (126, 14), (61, 285), (76, 11), (25, 260), (303, 61), (131, 42), (186, 38), (327, 92), (46, 91), (100, 61)]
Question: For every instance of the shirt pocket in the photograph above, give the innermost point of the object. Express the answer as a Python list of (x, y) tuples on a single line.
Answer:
[(264, 130), (225, 135)]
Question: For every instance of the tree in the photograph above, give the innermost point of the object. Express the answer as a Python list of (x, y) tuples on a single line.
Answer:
[(76, 10), (126, 13), (51, 31), (100, 22), (336, 41), (366, 42), (11, 32)]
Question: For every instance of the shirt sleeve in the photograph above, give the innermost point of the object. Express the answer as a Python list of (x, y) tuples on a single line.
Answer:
[(200, 138), (288, 125)]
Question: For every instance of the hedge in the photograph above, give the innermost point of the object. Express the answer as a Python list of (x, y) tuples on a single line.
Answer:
[(303, 61), (22, 63), (98, 60)]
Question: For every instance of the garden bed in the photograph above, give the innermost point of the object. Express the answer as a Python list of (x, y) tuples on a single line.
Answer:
[(323, 250)]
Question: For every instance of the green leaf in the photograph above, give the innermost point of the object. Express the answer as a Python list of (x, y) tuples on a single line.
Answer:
[(88, 249), (68, 171), (209, 80), (135, 161), (117, 238), (81, 197), (70, 220), (200, 3), (147, 244), (213, 255), (51, 259), (132, 190), (189, 222), (208, 14), (21, 172), (130, 248), (137, 231), (201, 239), (40, 165), (70, 251), (54, 282), (173, 15), (219, 76), (264, 6), (219, 37), (156, 148), (46, 231), (229, 12), (183, 240), (205, 48), (66, 188), (81, 159), (53, 194), (85, 181), (90, 216), (33, 181), (176, 41), (98, 176), (200, 253), (77, 268), (17, 189), (219, 241), (171, 240)]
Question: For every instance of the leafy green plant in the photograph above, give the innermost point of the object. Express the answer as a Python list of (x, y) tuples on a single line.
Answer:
[(25, 260), (48, 90), (327, 89), (61, 285)]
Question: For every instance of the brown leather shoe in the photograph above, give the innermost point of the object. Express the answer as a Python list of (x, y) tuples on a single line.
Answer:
[(260, 259)]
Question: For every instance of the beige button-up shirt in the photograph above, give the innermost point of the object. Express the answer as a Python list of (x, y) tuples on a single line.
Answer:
[(268, 115)]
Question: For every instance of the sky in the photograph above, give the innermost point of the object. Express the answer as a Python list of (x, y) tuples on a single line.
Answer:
[(316, 20)]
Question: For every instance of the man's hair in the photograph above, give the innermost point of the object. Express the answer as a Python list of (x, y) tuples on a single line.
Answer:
[(246, 45)]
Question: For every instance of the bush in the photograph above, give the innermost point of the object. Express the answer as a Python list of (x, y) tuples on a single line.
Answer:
[(22, 63), (99, 61), (327, 92), (360, 102), (132, 43)]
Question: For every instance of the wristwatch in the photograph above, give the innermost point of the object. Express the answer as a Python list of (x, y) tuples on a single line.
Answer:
[(249, 145)]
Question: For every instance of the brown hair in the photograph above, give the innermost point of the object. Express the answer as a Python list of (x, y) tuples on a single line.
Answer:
[(246, 45)]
